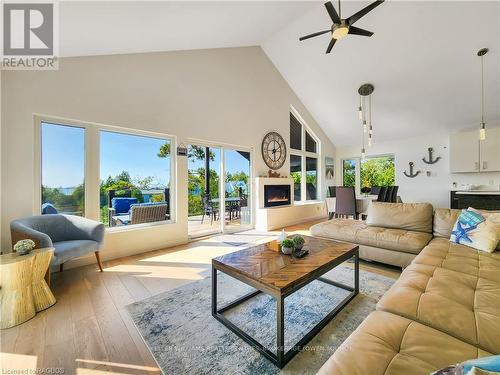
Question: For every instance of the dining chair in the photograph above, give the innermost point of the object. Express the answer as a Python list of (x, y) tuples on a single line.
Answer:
[(330, 202), (331, 191), (374, 190), (394, 197), (381, 194), (388, 194), (345, 202)]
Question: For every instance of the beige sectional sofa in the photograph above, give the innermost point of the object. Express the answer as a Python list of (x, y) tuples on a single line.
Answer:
[(444, 309), (394, 233)]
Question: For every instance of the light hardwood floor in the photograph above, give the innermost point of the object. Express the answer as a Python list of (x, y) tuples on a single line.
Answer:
[(88, 330)]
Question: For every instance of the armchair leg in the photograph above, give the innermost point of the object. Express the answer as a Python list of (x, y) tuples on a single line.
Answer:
[(98, 260), (61, 266)]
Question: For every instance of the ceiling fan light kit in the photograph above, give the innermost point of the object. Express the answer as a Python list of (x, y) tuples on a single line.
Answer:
[(342, 27)]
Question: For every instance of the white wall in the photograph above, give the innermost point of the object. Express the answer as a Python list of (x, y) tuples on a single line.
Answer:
[(229, 96), (434, 189)]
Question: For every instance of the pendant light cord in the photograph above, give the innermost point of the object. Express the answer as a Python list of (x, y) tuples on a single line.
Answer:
[(340, 12), (482, 90)]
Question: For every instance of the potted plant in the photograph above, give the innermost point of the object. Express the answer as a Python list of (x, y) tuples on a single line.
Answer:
[(298, 242), (23, 247), (287, 246), (366, 190)]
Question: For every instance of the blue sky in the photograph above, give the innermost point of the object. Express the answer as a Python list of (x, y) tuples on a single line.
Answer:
[(63, 157)]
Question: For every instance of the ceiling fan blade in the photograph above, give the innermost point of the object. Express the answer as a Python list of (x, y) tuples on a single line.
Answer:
[(315, 34), (357, 31), (363, 12), (332, 12), (330, 46)]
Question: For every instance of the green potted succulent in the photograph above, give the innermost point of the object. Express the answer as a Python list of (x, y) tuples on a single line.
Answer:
[(24, 247), (298, 242), (287, 246)]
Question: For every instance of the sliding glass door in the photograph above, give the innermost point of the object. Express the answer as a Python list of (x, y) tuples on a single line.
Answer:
[(218, 201), (204, 171), (237, 190)]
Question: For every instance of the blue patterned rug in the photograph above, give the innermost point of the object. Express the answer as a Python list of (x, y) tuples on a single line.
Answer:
[(184, 338)]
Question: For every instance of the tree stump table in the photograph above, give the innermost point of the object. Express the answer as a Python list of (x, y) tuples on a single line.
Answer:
[(23, 289)]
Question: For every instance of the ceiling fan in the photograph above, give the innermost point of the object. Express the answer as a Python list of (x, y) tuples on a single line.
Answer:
[(342, 27)]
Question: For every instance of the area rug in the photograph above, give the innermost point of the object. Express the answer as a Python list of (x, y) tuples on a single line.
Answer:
[(184, 338)]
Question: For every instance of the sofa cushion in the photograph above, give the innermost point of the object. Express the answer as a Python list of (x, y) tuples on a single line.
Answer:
[(409, 216), (357, 232), (442, 253), (66, 250), (444, 220), (387, 344), (464, 306), (474, 230), (393, 239), (122, 205), (338, 229)]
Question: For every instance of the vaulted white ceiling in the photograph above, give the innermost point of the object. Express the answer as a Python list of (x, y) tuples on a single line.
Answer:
[(421, 59), (112, 27)]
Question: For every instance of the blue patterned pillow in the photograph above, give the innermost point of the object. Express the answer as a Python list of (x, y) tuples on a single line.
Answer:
[(474, 230), (488, 365)]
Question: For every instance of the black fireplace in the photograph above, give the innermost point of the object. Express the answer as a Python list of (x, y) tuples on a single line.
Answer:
[(276, 195)]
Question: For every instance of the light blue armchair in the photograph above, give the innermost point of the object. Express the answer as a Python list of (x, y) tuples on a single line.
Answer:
[(70, 236)]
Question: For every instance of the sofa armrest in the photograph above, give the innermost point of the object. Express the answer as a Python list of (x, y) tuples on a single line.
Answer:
[(19, 231), (86, 229)]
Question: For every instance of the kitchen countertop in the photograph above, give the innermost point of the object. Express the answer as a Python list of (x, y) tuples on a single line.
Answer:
[(478, 192)]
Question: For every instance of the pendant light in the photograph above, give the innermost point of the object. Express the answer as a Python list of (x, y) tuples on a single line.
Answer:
[(365, 116), (482, 124)]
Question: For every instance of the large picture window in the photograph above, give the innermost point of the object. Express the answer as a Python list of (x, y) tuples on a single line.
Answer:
[(135, 186), (128, 172), (63, 169), (304, 150), (371, 172)]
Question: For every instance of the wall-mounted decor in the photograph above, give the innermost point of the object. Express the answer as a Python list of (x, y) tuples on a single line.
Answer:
[(412, 174), (182, 150), (274, 150), (431, 157), (329, 168)]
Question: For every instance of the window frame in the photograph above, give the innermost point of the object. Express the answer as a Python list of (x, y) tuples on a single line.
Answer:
[(303, 154), (92, 166), (357, 170)]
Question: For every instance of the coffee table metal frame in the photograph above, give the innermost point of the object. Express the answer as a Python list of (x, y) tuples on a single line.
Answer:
[(281, 358)]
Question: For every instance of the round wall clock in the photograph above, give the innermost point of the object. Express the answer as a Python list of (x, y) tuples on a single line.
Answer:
[(274, 150)]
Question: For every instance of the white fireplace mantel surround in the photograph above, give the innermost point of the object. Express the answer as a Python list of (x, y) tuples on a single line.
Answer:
[(271, 218)]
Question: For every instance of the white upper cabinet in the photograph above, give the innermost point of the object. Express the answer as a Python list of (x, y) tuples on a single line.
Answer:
[(464, 152), (468, 154), (490, 151)]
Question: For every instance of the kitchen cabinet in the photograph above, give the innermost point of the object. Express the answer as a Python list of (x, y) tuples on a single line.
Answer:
[(468, 154)]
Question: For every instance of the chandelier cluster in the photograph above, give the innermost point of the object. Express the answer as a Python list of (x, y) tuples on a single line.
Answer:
[(365, 115)]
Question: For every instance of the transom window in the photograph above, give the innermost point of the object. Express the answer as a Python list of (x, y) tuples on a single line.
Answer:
[(304, 154)]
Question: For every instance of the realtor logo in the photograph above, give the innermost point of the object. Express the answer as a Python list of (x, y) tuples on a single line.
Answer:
[(29, 36)]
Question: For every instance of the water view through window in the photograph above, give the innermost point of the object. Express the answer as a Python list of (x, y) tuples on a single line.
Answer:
[(63, 169), (135, 179)]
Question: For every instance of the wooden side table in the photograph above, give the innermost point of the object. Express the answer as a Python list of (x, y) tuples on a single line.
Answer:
[(23, 289)]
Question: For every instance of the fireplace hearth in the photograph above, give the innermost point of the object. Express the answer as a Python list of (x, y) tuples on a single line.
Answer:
[(277, 195)]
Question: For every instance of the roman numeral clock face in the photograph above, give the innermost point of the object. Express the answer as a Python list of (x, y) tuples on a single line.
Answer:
[(274, 150)]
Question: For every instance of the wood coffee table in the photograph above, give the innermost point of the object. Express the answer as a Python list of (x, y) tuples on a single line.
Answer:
[(269, 271)]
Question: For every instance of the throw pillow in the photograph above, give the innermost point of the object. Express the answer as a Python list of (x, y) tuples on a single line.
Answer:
[(481, 366), (494, 217), (474, 230)]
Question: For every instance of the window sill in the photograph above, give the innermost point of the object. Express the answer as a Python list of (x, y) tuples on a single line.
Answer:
[(127, 228), (306, 203)]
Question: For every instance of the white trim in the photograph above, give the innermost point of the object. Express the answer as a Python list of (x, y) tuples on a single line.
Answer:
[(92, 165)]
